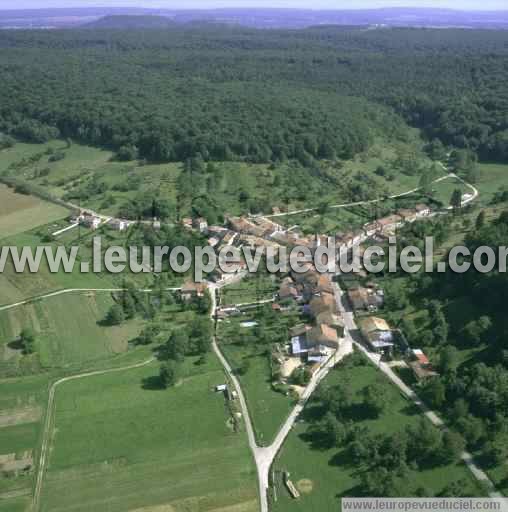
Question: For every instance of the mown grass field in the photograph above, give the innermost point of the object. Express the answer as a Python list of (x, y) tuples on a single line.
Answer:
[(122, 444), (22, 407), (329, 472), (68, 330), (444, 190), (19, 212)]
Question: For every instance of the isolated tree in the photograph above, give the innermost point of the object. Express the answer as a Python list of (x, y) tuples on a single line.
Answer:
[(480, 220), (168, 374), (27, 340), (456, 199), (435, 393), (148, 335), (424, 441), (455, 489), (473, 174), (375, 399), (472, 428), (177, 346), (425, 182), (129, 305), (335, 431), (115, 315)]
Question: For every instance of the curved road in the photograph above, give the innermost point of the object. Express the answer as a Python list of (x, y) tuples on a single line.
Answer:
[(394, 196)]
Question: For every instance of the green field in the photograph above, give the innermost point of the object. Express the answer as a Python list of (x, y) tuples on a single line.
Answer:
[(68, 330), (118, 446), (16, 286), (19, 213), (444, 190), (325, 475)]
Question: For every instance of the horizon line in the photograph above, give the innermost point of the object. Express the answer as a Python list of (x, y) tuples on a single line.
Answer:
[(244, 8)]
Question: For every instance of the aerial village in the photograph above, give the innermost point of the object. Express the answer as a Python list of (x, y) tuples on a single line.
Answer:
[(321, 331)]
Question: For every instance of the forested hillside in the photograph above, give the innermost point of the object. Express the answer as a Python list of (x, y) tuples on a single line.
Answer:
[(235, 93)]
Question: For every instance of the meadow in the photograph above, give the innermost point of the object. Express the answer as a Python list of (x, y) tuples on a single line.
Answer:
[(68, 329), (325, 475), (118, 434), (237, 186), (20, 212), (493, 177)]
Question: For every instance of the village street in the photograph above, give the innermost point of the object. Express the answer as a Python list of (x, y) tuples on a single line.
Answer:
[(265, 455)]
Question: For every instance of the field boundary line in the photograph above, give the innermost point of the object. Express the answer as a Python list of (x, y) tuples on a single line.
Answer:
[(48, 421)]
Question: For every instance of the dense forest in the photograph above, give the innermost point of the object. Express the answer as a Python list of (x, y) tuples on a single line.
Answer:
[(230, 93)]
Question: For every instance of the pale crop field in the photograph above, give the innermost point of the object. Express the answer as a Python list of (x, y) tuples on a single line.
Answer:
[(19, 212)]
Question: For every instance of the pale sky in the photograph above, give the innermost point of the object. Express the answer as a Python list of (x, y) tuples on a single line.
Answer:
[(301, 4)]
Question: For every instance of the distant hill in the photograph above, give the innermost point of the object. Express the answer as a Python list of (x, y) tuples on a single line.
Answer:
[(124, 21), (123, 17)]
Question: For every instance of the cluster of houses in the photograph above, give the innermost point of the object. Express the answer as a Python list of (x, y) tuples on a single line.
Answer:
[(314, 341), (263, 232), (87, 219), (92, 221)]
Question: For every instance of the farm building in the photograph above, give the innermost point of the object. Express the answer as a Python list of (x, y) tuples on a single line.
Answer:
[(288, 290), (390, 223), (421, 366), (407, 215), (200, 224), (118, 224)]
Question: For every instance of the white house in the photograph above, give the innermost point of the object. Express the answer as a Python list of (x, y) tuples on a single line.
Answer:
[(200, 224), (422, 210), (119, 224)]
